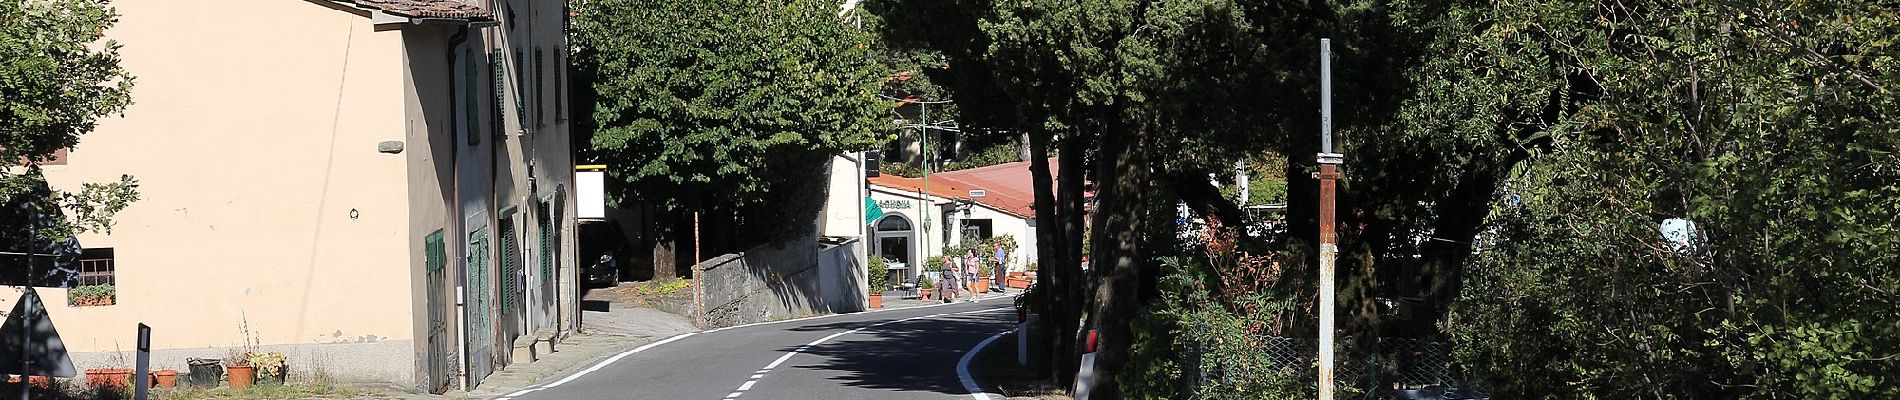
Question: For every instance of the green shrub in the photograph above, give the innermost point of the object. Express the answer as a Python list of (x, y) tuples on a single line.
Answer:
[(879, 275)]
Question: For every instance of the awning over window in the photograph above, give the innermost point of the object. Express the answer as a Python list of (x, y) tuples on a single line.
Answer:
[(871, 211)]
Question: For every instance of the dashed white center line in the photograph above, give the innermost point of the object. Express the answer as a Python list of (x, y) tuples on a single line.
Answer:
[(788, 355)]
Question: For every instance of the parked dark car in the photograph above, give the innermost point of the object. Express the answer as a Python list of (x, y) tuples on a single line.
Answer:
[(603, 250)]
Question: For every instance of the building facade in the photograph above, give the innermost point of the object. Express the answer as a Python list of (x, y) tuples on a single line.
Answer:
[(377, 188), (975, 203)]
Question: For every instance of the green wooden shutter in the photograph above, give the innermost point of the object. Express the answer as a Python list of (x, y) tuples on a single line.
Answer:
[(521, 79), (540, 107), (501, 92), (510, 267), (470, 98), (434, 257), (547, 243)]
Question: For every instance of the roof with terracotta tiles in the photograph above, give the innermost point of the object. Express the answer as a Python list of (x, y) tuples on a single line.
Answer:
[(1009, 188)]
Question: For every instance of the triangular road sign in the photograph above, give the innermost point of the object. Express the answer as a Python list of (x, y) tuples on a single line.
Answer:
[(46, 352)]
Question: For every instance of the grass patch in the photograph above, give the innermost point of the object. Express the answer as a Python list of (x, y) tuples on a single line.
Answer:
[(996, 367), (662, 288), (261, 391)]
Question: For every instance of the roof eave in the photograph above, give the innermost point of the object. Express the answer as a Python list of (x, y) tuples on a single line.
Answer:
[(386, 20)]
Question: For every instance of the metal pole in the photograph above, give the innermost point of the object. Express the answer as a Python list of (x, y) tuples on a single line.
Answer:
[(1328, 249), (26, 313), (1326, 96), (699, 288), (142, 378), (924, 126)]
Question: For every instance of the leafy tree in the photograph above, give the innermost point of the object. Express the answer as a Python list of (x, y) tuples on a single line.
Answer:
[(1770, 127), (726, 105), (58, 76), (1547, 139)]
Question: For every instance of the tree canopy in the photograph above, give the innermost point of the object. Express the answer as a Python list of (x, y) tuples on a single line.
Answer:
[(1527, 150), (58, 76), (724, 103)]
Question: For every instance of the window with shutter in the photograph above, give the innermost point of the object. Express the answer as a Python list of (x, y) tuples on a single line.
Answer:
[(521, 100), (471, 93), (510, 266), (540, 111), (501, 87), (547, 240)]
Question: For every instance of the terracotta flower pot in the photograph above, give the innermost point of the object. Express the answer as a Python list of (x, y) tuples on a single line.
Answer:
[(981, 285), (36, 380), (877, 300), (240, 376), (165, 378), (109, 377)]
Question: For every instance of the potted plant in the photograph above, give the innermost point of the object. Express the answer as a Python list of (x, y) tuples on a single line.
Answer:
[(91, 295), (110, 378), (165, 378), (982, 284), (237, 370), (924, 286), (269, 366), (38, 381), (879, 280)]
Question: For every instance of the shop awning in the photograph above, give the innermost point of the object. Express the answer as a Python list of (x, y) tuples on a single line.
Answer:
[(871, 211)]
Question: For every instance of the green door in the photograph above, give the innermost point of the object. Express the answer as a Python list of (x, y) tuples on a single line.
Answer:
[(480, 295)]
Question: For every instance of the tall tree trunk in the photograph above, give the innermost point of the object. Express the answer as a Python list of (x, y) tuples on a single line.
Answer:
[(1461, 215), (1069, 209), (1048, 252), (1122, 179), (665, 241)]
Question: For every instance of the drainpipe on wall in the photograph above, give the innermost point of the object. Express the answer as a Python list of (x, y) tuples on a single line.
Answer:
[(455, 204)]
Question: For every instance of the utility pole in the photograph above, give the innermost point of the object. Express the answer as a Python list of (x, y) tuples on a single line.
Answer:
[(1328, 247), (923, 119)]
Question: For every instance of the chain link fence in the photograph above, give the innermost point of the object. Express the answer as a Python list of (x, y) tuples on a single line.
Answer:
[(1399, 368)]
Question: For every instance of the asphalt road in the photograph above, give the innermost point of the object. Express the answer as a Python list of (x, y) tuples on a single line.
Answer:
[(894, 354)]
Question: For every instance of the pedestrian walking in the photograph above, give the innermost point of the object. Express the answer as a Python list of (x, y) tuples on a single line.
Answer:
[(949, 286)]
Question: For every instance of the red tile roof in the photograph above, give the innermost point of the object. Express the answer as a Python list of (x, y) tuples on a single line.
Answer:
[(426, 8), (938, 186), (1010, 188)]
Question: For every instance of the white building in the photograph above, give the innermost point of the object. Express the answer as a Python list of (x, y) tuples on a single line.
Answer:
[(987, 202)]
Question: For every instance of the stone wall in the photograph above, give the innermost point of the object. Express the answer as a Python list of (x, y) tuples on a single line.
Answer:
[(842, 275), (790, 279)]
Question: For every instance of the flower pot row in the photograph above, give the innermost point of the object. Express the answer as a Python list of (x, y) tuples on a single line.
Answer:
[(36, 381), (241, 371), (122, 377)]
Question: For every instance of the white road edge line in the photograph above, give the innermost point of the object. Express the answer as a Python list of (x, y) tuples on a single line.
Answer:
[(788, 355), (604, 363), (963, 367), (617, 357)]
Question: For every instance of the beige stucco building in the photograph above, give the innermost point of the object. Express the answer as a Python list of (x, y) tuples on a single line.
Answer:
[(378, 188)]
